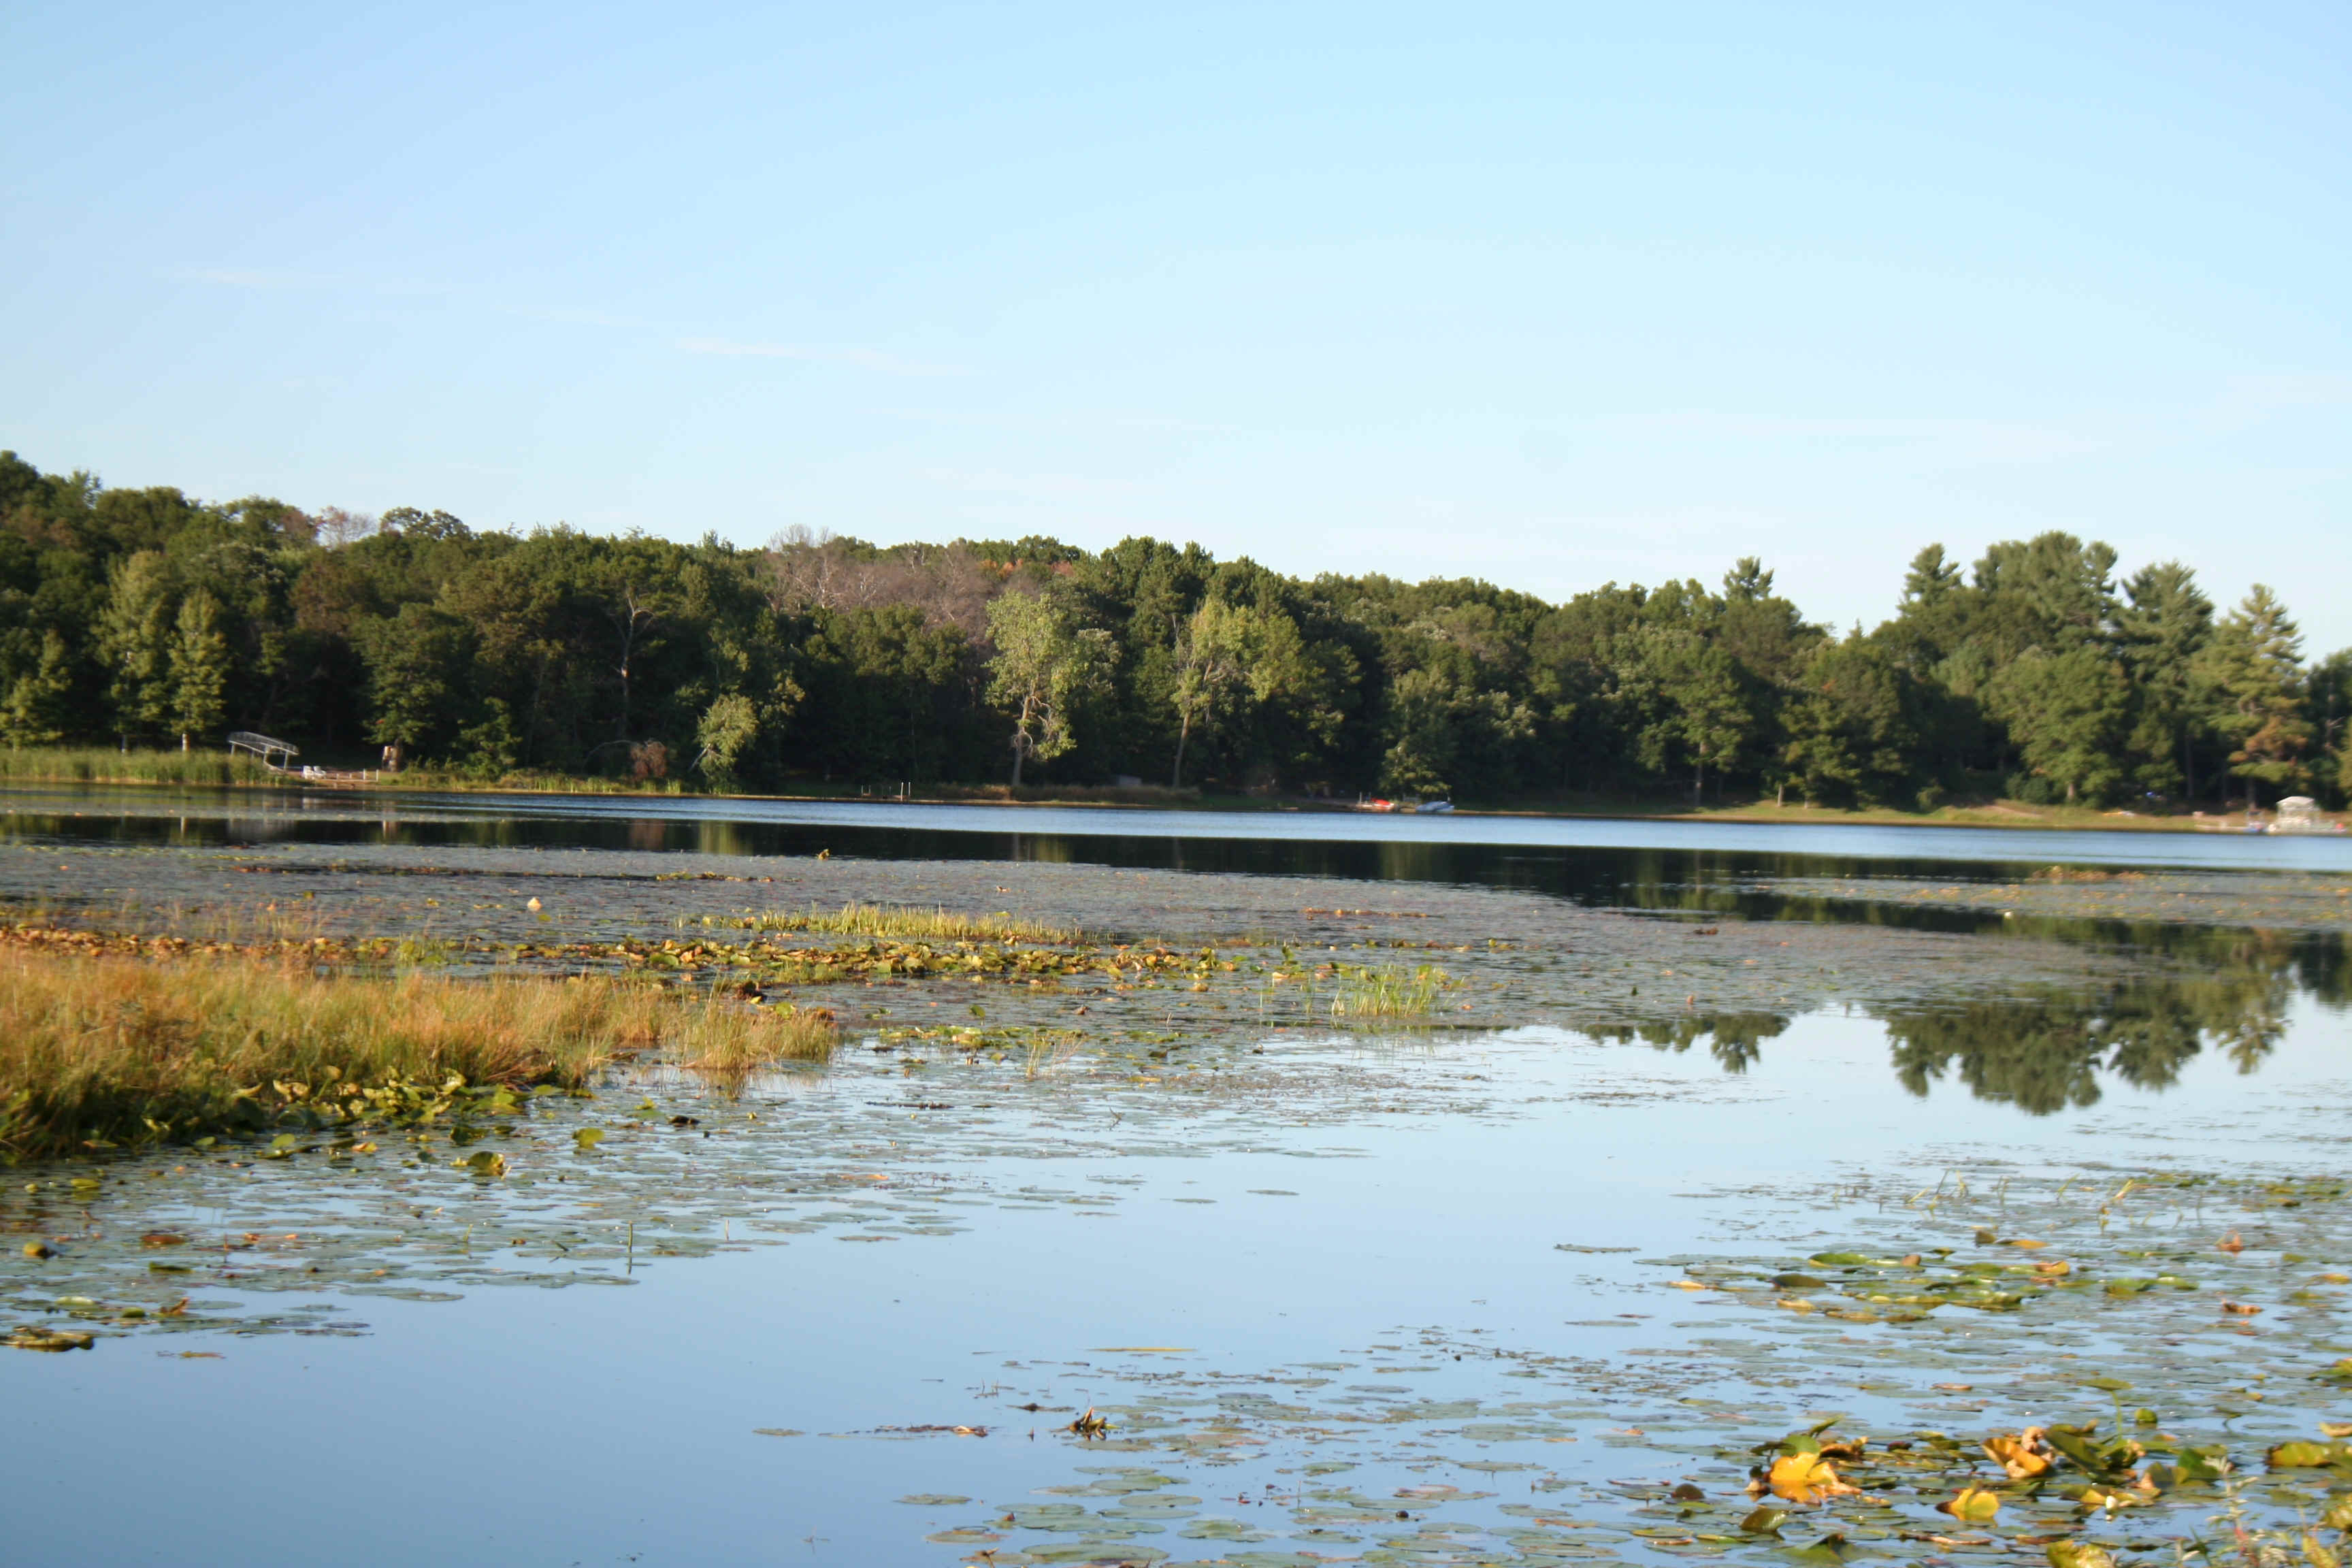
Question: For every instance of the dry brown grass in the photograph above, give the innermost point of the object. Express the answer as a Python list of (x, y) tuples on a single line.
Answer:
[(105, 1050), (733, 1043)]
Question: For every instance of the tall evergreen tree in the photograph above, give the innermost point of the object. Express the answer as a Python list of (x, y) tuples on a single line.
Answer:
[(1851, 734), (39, 709), (2253, 664), (2066, 714), (135, 641), (2163, 627)]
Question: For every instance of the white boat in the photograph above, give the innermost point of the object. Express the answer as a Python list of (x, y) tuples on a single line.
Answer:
[(1441, 807)]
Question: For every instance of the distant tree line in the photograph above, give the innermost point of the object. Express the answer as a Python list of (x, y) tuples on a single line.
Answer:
[(140, 616)]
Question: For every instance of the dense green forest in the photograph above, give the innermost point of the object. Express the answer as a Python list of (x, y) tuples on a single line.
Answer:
[(140, 616)]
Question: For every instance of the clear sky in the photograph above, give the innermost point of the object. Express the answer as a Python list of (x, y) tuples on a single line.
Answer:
[(1547, 294)]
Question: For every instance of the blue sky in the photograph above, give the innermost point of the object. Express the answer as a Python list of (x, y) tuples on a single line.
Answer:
[(1550, 294)]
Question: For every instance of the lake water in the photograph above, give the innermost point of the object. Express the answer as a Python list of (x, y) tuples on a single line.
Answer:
[(1341, 843), (1478, 1295)]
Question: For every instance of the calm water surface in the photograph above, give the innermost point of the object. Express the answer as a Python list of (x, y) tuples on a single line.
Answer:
[(1394, 1246)]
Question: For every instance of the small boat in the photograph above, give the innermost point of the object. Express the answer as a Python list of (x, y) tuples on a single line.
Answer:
[(1443, 808), (1377, 803)]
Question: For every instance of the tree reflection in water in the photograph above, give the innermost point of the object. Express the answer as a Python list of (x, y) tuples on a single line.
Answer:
[(2046, 1048)]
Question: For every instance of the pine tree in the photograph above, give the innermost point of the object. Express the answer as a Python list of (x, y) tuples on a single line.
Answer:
[(2163, 627), (727, 728), (38, 712), (2253, 666), (2066, 714), (134, 638), (1849, 733)]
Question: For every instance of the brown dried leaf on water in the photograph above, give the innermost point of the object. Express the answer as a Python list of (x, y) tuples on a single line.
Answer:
[(2240, 1308), (2231, 1243), (162, 1239)]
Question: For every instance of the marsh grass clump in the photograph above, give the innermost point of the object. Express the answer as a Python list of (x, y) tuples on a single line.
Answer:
[(731, 1043), (903, 923), (102, 1051), (1048, 1049), (1367, 995)]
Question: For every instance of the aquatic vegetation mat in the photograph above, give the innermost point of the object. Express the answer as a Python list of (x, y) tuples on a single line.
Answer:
[(2034, 1004)]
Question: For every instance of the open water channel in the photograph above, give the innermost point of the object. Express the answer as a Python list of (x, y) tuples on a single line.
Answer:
[(1718, 1133)]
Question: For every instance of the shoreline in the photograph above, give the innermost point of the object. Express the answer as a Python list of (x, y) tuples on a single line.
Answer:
[(2003, 815)]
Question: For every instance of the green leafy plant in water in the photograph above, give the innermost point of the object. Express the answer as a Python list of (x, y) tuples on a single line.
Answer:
[(1371, 994)]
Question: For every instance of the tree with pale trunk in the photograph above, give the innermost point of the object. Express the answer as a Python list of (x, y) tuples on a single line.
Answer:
[(1046, 664)]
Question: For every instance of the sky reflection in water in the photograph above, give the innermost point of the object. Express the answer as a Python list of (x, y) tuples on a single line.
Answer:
[(607, 1425)]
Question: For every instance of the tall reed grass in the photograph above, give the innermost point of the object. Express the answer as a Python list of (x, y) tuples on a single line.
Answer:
[(114, 1051), (99, 765)]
